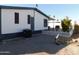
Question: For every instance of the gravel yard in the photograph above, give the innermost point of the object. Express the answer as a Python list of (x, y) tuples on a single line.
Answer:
[(40, 44)]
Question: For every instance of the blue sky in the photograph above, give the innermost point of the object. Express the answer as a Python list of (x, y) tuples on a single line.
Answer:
[(59, 10)]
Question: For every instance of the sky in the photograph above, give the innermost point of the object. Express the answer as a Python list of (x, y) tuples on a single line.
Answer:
[(60, 11)]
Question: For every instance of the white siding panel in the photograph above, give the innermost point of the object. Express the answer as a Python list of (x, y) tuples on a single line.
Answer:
[(8, 24), (39, 21), (53, 24)]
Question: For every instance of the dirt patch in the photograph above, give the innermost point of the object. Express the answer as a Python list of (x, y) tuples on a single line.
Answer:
[(72, 49)]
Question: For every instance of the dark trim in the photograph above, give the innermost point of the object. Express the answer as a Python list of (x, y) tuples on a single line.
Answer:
[(29, 19), (31, 8), (16, 18), (0, 20), (14, 35), (32, 23), (41, 12), (45, 23), (14, 7), (9, 36)]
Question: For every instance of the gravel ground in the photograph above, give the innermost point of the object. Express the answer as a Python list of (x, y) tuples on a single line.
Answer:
[(72, 49), (39, 44)]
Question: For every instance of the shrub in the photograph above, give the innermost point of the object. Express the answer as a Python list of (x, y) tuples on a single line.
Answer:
[(66, 24)]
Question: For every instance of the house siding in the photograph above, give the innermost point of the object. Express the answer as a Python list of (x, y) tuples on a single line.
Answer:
[(53, 24), (39, 21), (23, 8), (11, 30), (8, 24)]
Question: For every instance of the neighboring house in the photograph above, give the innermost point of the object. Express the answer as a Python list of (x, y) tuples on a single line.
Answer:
[(13, 20), (54, 24)]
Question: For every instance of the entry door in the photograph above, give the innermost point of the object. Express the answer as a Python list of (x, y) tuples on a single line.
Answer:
[(32, 23)]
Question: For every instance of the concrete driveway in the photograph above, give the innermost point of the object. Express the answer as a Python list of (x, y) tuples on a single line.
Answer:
[(38, 44)]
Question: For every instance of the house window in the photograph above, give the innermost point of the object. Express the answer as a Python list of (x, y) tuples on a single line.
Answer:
[(16, 18), (45, 23), (28, 19)]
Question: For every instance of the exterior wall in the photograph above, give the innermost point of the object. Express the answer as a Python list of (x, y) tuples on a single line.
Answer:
[(53, 24), (39, 21), (7, 20), (8, 25)]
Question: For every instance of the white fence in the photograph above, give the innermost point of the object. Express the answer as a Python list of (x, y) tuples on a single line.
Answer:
[(61, 33), (66, 34)]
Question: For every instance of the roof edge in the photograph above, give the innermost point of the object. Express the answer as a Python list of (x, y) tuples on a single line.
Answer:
[(18, 7)]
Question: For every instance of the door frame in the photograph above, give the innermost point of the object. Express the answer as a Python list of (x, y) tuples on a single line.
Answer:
[(32, 23)]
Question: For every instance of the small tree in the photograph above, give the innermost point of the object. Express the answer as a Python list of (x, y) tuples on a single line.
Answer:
[(66, 24)]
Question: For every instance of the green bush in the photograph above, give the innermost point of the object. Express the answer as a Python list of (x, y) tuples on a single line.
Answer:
[(66, 23)]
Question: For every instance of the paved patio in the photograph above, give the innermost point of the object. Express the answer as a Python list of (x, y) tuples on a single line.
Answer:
[(38, 44)]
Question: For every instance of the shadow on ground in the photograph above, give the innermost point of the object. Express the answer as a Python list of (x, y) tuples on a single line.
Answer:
[(38, 43)]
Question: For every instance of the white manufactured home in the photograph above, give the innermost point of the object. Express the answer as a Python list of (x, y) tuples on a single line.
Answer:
[(13, 20), (54, 24)]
